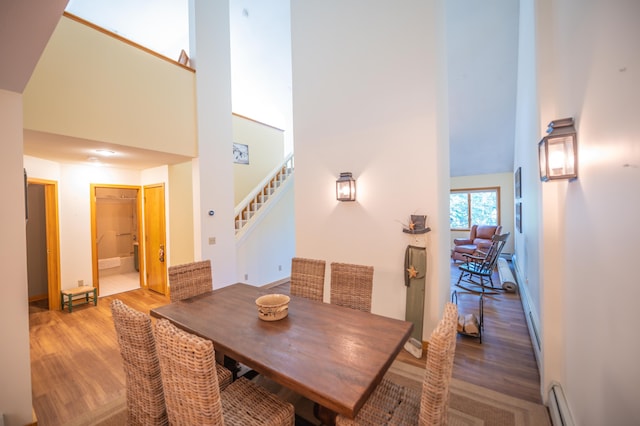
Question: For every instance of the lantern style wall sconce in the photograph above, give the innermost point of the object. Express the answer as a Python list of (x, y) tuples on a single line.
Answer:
[(558, 151), (346, 187)]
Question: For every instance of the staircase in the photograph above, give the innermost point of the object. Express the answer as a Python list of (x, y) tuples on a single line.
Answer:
[(266, 192)]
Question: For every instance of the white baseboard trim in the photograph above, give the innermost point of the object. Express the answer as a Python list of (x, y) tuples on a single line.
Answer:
[(558, 407), (275, 283), (557, 401), (533, 323)]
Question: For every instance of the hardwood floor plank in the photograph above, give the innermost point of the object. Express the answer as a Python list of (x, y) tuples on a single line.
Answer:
[(76, 365), (504, 362), (75, 358)]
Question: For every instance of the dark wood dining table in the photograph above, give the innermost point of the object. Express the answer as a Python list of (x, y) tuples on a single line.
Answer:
[(332, 355)]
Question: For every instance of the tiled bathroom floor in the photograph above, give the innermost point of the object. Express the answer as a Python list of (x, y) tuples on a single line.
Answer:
[(114, 284)]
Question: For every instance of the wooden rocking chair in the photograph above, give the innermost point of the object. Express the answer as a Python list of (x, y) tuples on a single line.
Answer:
[(480, 266)]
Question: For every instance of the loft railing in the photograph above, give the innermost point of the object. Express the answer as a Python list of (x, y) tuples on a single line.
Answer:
[(247, 210)]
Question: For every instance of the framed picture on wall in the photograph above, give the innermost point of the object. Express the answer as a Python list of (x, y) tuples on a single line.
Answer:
[(240, 153), (519, 217), (518, 183)]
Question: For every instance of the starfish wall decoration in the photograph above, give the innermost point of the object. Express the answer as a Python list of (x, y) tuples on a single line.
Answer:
[(413, 272)]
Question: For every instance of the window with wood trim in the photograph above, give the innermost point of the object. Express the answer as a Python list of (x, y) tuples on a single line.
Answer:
[(475, 206)]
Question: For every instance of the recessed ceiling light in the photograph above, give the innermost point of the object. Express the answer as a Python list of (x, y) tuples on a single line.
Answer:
[(105, 152)]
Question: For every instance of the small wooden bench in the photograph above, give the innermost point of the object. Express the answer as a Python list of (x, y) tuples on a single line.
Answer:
[(89, 293)]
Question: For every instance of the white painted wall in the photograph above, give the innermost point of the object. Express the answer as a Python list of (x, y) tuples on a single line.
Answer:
[(597, 80), (264, 255), (369, 99), (527, 134), (261, 40), (209, 22), (74, 183), (15, 367), (166, 24), (587, 68)]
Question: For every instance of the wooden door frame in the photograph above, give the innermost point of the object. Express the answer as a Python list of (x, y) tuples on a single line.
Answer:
[(94, 232), (52, 231)]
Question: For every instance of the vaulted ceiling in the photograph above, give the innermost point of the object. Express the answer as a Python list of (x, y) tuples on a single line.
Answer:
[(482, 47)]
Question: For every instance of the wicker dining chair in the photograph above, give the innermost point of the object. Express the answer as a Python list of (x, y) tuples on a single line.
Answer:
[(145, 396), (191, 392), (307, 278), (351, 285), (189, 279), (393, 404)]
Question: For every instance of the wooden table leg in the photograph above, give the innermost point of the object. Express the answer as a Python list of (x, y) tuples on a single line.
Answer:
[(326, 416), (232, 365)]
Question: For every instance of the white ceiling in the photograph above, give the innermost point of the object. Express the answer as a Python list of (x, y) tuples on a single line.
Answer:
[(482, 43), (21, 45), (65, 149), (482, 55)]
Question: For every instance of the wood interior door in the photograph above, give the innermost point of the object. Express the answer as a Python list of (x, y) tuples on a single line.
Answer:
[(53, 244), (52, 240), (155, 238)]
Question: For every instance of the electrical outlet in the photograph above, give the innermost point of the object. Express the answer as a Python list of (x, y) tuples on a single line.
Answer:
[(80, 283), (246, 277), (279, 267), (212, 240)]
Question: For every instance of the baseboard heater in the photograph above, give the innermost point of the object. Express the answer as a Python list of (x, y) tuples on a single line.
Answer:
[(558, 407)]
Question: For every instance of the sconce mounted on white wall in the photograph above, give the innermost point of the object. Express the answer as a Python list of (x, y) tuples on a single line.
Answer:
[(558, 151), (346, 187)]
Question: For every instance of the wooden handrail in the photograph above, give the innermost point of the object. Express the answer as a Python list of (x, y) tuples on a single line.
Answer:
[(260, 186), (124, 40), (252, 203)]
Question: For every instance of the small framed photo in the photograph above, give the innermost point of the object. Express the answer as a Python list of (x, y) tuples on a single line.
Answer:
[(519, 217), (240, 153), (518, 183)]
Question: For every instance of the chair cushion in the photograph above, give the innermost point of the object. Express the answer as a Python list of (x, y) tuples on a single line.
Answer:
[(462, 241), (467, 248), (456, 253), (485, 232)]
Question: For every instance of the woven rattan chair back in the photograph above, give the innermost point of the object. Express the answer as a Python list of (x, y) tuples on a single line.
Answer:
[(394, 404), (434, 402), (192, 390), (190, 279), (189, 376), (351, 286), (145, 396), (307, 278)]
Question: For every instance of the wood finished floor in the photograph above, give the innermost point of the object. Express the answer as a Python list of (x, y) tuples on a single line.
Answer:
[(76, 365), (505, 361)]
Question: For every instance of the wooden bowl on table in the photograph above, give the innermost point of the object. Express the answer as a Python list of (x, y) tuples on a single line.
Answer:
[(273, 307)]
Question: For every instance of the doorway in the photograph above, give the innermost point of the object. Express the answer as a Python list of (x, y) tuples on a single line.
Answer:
[(43, 245), (115, 220)]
